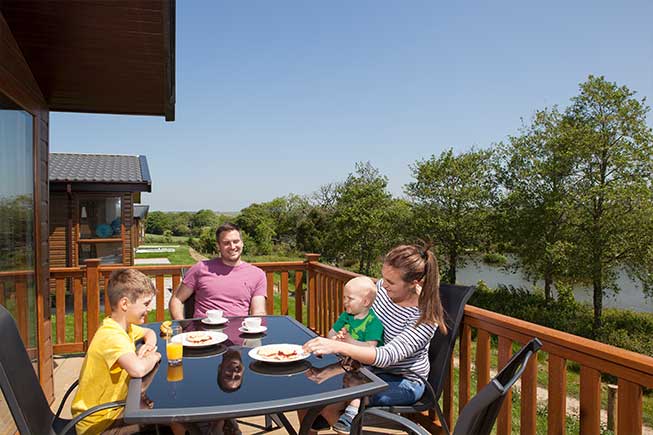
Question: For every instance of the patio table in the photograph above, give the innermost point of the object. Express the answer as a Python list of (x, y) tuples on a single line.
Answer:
[(266, 388)]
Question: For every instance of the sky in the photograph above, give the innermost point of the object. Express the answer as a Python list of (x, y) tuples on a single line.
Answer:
[(280, 97)]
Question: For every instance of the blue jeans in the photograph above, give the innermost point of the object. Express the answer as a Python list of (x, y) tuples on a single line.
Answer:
[(400, 391)]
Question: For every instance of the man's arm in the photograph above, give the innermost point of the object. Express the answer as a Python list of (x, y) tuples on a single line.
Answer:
[(256, 306), (176, 304)]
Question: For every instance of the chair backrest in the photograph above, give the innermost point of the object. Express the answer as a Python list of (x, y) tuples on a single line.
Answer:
[(453, 298), (479, 415), (19, 383)]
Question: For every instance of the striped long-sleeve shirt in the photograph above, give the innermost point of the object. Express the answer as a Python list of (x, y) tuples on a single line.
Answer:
[(407, 346)]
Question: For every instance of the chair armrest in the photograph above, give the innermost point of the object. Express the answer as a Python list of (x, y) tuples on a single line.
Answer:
[(395, 418), (65, 397), (71, 424), (401, 372)]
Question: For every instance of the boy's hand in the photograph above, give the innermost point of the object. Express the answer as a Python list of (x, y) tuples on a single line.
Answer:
[(343, 335), (145, 349)]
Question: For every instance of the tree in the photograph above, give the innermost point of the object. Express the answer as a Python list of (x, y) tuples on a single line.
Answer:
[(534, 170), (451, 198), (203, 218), (362, 216), (157, 222), (611, 187)]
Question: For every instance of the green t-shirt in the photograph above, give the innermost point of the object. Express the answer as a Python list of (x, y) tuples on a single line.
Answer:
[(368, 328)]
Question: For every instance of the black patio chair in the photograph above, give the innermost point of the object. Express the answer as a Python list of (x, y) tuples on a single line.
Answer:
[(22, 391), (480, 413), (453, 298)]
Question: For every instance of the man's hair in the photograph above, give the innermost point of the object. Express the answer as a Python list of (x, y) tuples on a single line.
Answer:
[(129, 283), (224, 228)]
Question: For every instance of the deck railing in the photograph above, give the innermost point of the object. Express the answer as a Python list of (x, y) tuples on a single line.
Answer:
[(317, 288)]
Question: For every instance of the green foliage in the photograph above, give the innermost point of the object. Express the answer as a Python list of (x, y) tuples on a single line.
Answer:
[(621, 328), (452, 195), (179, 256), (364, 217), (611, 190), (534, 172), (495, 259)]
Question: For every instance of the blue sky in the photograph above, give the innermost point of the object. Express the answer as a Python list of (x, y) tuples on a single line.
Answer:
[(279, 97)]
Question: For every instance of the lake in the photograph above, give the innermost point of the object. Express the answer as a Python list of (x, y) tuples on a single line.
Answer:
[(630, 297)]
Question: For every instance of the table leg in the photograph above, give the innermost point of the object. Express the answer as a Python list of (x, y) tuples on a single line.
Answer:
[(281, 418), (308, 419)]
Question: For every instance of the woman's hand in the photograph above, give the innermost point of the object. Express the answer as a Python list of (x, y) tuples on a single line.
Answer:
[(322, 346)]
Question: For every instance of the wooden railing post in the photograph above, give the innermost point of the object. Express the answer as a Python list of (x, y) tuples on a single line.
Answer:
[(93, 296), (312, 290)]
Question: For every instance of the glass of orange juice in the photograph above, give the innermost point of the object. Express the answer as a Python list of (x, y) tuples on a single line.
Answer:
[(175, 373), (174, 346)]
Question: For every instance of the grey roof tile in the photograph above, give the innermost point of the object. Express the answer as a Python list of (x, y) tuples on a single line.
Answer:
[(98, 168)]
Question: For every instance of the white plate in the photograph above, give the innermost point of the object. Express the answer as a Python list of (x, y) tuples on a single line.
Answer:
[(253, 330), (287, 348), (208, 321), (216, 338)]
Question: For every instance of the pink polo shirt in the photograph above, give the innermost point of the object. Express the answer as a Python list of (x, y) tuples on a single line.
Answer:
[(227, 288)]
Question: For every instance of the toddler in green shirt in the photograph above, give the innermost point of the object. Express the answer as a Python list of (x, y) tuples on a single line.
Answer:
[(357, 325)]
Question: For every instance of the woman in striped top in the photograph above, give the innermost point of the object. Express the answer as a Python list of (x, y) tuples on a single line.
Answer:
[(408, 305)]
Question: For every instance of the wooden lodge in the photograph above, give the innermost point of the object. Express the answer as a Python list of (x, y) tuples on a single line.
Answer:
[(93, 200), (58, 55)]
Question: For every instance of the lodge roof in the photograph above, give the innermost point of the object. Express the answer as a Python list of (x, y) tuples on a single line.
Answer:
[(99, 56), (103, 169), (140, 211)]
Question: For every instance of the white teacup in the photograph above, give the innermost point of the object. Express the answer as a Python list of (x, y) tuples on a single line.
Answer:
[(214, 315), (252, 323)]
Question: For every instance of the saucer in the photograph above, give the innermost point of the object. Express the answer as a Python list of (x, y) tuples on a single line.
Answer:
[(208, 321), (253, 330)]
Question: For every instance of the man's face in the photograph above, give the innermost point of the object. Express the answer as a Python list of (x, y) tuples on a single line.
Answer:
[(231, 372), (137, 311), (230, 245)]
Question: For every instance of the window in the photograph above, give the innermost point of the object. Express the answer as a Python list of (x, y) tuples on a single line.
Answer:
[(17, 247), (100, 218), (100, 223)]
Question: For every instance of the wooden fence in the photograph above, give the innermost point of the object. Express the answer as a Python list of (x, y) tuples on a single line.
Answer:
[(318, 287)]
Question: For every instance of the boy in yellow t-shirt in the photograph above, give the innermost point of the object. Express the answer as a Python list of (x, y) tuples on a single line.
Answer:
[(112, 359)]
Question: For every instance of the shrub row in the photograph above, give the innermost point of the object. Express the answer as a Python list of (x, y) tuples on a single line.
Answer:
[(621, 328)]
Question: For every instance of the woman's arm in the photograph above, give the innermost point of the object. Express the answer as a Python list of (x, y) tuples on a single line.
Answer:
[(325, 346), (407, 343)]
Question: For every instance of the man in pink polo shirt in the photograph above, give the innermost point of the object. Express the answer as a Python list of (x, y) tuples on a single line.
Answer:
[(225, 282)]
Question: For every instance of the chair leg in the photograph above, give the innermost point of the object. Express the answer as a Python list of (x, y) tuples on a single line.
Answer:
[(443, 422)]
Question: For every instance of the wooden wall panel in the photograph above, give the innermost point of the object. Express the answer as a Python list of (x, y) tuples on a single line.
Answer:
[(58, 230), (17, 82), (127, 227)]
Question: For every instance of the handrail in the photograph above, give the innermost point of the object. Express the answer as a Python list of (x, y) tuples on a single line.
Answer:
[(318, 288), (610, 359)]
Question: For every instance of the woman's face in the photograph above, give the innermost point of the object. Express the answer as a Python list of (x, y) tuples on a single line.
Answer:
[(398, 289)]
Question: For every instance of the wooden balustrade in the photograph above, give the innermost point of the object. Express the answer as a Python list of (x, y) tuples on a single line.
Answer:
[(318, 288)]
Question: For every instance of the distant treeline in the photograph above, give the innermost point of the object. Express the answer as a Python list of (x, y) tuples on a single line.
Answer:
[(570, 196)]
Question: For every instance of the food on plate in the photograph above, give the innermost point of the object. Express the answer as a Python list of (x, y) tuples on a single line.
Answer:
[(166, 327), (198, 337), (278, 353)]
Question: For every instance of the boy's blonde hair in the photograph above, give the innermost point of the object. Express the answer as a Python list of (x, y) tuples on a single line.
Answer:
[(129, 283)]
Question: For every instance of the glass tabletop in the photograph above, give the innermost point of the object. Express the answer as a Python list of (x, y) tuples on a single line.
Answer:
[(222, 380)]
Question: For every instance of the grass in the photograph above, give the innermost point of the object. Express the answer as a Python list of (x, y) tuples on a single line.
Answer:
[(573, 390), (180, 256)]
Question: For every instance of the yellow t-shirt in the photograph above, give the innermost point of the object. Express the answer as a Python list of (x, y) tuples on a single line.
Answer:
[(102, 379)]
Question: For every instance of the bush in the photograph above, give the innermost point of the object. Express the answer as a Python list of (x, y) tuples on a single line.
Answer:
[(621, 328), (495, 259)]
